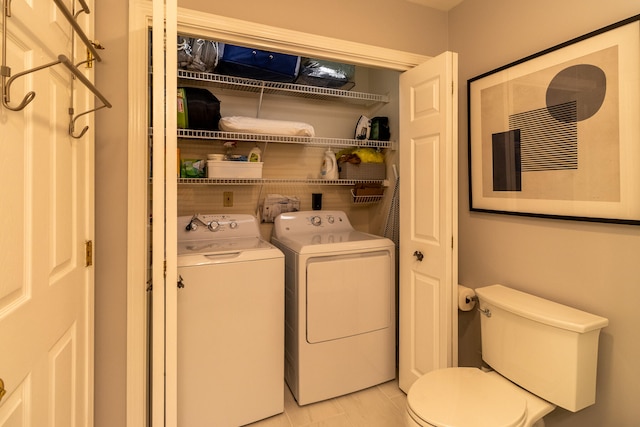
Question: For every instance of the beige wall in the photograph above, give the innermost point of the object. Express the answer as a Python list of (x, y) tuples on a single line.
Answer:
[(396, 24), (593, 267)]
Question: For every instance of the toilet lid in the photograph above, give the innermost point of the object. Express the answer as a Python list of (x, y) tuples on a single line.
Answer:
[(466, 397)]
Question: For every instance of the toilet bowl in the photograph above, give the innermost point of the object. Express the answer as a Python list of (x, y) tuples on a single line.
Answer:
[(470, 397), (542, 355)]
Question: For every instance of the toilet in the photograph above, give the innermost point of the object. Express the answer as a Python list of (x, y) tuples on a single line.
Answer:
[(541, 355)]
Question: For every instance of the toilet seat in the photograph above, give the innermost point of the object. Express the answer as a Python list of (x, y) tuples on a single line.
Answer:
[(466, 397)]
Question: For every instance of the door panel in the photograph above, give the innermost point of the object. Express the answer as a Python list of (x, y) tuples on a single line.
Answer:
[(13, 412), (428, 212), (46, 295), (62, 369), (426, 192), (425, 323), (62, 161), (14, 232)]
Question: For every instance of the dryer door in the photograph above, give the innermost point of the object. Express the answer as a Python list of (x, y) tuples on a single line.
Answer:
[(348, 295)]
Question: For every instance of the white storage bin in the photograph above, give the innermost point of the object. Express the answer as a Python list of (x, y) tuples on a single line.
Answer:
[(230, 169)]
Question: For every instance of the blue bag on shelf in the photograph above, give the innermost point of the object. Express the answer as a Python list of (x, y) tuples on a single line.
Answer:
[(257, 64)]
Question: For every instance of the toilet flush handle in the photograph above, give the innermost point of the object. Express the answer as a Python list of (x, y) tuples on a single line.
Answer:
[(485, 311)]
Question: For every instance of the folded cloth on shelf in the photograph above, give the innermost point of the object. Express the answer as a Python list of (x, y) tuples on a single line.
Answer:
[(265, 126)]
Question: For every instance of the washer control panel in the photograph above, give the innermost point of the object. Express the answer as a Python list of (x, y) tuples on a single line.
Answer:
[(217, 226), (318, 220), (311, 222)]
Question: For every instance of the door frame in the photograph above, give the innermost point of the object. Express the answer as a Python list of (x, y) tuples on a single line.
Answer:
[(218, 28)]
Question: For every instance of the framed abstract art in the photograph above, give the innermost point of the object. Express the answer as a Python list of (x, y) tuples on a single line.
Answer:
[(557, 134)]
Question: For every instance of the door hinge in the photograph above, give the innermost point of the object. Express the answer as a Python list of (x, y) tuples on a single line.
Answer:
[(88, 253), (452, 88)]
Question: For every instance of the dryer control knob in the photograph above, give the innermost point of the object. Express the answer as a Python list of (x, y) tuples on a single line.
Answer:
[(233, 225), (330, 219), (316, 220), (213, 226)]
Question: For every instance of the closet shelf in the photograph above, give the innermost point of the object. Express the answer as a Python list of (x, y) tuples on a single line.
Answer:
[(303, 91), (257, 181), (251, 137)]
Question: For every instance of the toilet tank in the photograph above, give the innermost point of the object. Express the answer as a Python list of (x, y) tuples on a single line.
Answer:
[(548, 348)]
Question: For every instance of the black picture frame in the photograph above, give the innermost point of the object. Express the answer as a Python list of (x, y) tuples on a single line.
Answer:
[(557, 134)]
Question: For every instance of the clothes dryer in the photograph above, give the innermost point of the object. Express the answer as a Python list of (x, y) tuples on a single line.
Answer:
[(339, 305), (230, 322)]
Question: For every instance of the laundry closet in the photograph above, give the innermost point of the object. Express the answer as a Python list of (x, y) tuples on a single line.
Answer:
[(426, 159), (268, 143)]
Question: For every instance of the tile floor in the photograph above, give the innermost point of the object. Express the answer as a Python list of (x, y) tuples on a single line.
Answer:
[(379, 406)]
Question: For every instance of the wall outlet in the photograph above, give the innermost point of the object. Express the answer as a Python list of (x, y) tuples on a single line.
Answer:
[(227, 199)]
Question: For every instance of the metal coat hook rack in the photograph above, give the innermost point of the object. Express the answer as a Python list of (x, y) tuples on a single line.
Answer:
[(92, 53)]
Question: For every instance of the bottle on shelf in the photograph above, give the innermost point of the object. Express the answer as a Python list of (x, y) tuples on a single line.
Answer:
[(255, 155), (329, 166)]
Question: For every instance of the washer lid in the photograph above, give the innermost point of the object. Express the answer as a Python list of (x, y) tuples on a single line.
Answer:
[(466, 397), (224, 251), (189, 247)]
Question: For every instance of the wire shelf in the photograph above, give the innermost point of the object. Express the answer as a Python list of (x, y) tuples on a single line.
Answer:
[(257, 181), (304, 91), (252, 137)]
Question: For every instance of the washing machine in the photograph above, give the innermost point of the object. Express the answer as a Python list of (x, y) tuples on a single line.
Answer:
[(230, 322), (339, 305)]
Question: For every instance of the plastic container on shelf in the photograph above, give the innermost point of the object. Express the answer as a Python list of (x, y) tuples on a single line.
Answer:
[(373, 171), (227, 169)]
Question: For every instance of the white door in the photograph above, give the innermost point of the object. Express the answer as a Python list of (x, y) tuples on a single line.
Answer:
[(428, 218), (46, 189)]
